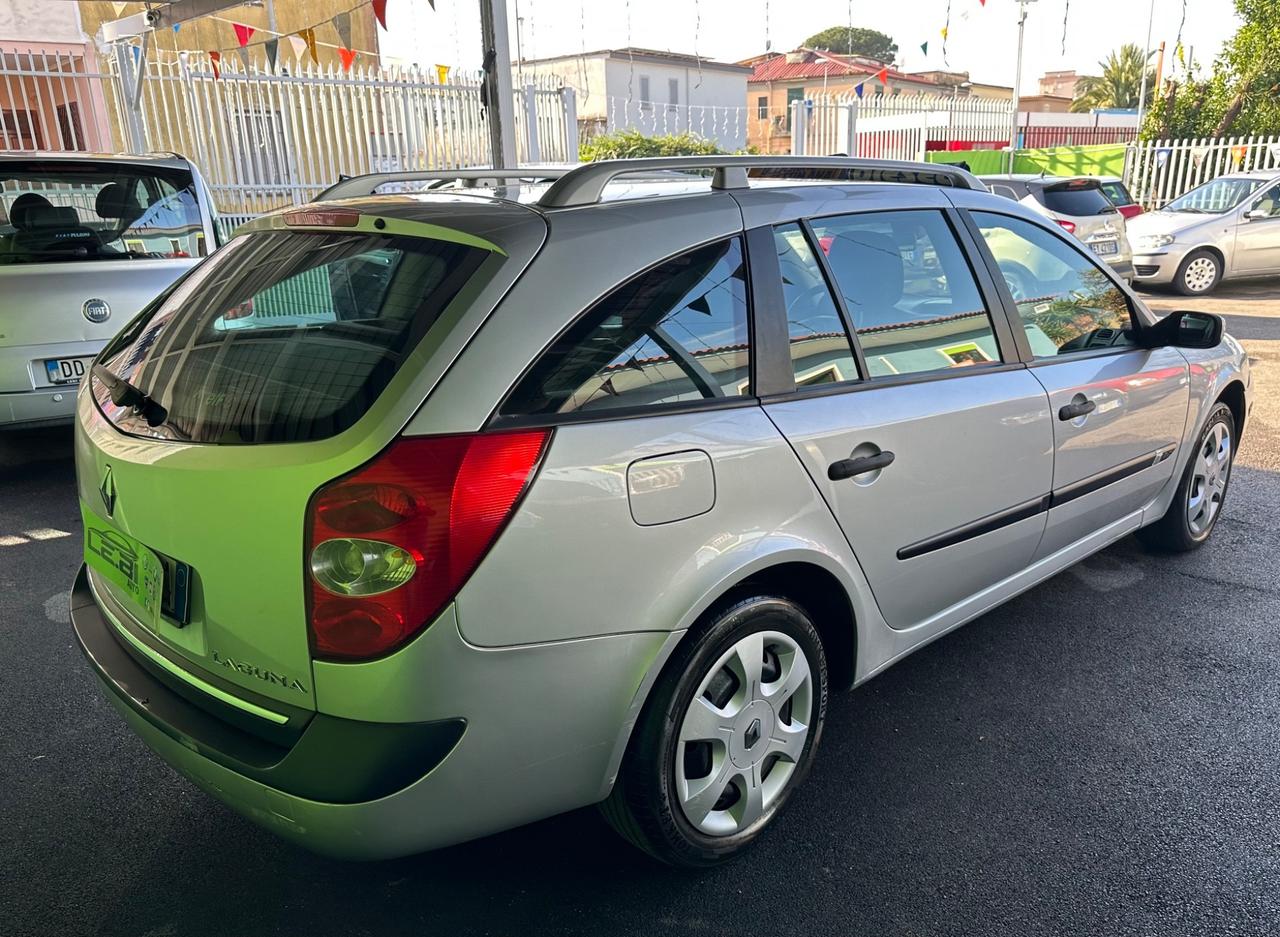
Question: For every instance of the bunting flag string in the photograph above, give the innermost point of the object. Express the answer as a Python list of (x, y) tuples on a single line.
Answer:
[(347, 56), (243, 33), (442, 73), (272, 48), (924, 47), (946, 29), (299, 46), (342, 26), (1066, 12), (308, 36)]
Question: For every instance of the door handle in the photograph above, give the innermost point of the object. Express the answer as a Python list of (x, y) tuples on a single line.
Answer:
[(1079, 406), (848, 468)]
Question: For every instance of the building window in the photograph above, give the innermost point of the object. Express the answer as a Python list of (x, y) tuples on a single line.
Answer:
[(762, 107), (793, 95), (21, 130), (644, 93), (69, 126), (673, 90)]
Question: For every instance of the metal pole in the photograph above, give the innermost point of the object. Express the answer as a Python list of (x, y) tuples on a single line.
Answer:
[(497, 82), (1017, 81), (136, 139), (1146, 54)]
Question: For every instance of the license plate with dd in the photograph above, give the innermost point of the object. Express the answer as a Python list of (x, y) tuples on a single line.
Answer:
[(66, 370)]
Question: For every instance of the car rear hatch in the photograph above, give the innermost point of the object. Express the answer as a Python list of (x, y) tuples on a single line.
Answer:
[(84, 246), (1080, 206), (295, 355)]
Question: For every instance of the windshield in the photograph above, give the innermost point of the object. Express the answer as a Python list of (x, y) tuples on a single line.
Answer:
[(283, 336), (1215, 197), (63, 211)]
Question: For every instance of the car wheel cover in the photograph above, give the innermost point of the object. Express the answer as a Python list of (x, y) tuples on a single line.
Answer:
[(756, 739), (1210, 471), (1201, 273)]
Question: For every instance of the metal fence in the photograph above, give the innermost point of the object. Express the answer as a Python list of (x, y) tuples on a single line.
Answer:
[(268, 138), (726, 126), (1158, 171)]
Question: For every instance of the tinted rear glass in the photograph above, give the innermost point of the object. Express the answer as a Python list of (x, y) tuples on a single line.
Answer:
[(1075, 200), (62, 211), (1118, 194), (284, 336)]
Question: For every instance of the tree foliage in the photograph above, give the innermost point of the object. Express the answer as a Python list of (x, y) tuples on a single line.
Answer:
[(630, 144), (1119, 85), (1241, 95), (869, 42)]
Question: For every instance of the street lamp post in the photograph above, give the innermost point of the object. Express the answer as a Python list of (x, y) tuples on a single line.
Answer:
[(1017, 80)]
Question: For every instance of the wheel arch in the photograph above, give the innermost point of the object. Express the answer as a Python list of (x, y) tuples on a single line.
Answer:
[(1233, 396)]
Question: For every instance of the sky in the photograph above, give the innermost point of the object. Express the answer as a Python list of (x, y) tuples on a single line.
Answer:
[(982, 39)]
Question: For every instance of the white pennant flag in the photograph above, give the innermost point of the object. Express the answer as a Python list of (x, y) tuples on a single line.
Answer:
[(299, 47)]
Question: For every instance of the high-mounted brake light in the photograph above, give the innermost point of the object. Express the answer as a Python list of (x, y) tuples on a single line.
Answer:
[(1068, 226), (390, 545), (316, 218)]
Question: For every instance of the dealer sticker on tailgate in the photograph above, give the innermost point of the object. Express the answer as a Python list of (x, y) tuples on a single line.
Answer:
[(124, 561)]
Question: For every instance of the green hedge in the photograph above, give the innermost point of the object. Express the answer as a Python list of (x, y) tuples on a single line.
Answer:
[(632, 144)]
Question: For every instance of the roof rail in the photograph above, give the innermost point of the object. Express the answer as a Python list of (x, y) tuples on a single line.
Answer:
[(584, 185), (357, 186)]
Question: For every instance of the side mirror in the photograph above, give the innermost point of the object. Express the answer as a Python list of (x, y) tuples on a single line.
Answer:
[(1184, 329), (1256, 214)]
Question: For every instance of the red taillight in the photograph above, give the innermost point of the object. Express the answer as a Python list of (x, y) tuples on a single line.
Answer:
[(444, 500), (1131, 211), (1068, 226)]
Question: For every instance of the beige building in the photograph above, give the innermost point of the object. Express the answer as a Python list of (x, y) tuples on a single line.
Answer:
[(1059, 84), (958, 83)]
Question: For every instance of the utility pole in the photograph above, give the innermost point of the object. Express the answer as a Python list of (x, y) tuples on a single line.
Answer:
[(1146, 54), (1017, 82), (499, 93)]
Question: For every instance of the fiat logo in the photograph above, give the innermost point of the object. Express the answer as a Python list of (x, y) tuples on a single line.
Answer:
[(96, 310)]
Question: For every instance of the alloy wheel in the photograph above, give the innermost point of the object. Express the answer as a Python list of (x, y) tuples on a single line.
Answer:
[(743, 734)]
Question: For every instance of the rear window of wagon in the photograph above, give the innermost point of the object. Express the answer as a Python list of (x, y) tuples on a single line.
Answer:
[(284, 336)]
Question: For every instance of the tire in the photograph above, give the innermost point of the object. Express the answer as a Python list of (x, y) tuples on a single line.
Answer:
[(658, 801), (1198, 274), (1186, 525)]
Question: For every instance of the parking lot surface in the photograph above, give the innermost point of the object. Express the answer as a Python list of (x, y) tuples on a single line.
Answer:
[(1099, 756)]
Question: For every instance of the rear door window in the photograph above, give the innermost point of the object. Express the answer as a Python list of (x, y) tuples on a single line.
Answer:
[(285, 336), (63, 211), (909, 291), (1118, 194), (676, 333), (1075, 198)]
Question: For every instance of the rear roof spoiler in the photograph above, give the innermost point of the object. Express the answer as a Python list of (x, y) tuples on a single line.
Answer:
[(585, 184)]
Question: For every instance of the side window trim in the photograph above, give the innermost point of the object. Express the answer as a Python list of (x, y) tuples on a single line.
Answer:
[(771, 369), (1012, 315), (836, 294)]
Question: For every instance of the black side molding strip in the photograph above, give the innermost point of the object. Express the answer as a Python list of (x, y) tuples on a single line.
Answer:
[(983, 525), (1087, 486), (1020, 512)]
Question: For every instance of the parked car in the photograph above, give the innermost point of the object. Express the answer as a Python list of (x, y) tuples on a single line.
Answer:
[(1228, 227), (599, 491), (1118, 192), (85, 242), (1078, 205)]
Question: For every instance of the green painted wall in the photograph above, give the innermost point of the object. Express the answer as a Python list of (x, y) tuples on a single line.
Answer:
[(1102, 160)]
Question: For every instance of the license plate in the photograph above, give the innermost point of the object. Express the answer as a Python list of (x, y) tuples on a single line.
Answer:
[(66, 370), (1105, 247), (124, 561)]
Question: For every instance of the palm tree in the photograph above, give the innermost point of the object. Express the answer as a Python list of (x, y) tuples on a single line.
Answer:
[(1119, 84)]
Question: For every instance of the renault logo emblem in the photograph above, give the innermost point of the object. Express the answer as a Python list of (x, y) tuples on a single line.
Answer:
[(108, 492), (96, 310)]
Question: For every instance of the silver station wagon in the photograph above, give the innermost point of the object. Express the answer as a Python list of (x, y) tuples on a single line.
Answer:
[(85, 242), (512, 498)]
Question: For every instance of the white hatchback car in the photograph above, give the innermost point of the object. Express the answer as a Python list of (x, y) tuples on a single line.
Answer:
[(86, 242)]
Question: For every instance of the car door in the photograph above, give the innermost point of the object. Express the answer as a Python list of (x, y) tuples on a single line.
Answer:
[(1257, 249), (929, 443), (1118, 409)]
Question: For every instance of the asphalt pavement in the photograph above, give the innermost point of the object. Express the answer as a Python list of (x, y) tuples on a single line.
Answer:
[(1099, 756)]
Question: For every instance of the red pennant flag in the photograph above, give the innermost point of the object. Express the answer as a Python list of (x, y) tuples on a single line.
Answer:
[(216, 59), (243, 33), (982, 2), (348, 56), (882, 76), (380, 11)]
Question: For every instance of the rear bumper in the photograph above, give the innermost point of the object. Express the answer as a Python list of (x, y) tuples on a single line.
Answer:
[(546, 726), (330, 760), (47, 406)]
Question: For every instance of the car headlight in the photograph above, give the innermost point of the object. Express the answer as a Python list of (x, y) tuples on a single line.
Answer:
[(1150, 242)]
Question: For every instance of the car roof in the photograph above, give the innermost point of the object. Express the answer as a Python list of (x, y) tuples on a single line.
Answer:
[(173, 160)]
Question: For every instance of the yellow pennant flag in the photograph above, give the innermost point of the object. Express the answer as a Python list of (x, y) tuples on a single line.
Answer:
[(442, 73), (944, 32), (309, 37)]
